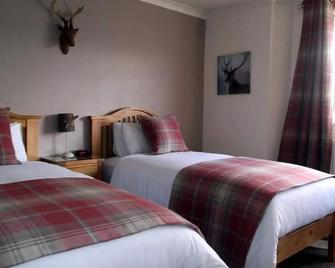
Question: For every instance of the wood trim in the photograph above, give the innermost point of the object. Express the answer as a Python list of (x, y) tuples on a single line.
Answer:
[(23, 117), (91, 167), (98, 123), (30, 133), (304, 237), (331, 244)]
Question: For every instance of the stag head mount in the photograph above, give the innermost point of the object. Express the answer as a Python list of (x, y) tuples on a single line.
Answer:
[(68, 32)]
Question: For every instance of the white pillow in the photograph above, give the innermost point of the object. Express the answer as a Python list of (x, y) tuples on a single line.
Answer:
[(119, 147), (134, 139), (16, 133)]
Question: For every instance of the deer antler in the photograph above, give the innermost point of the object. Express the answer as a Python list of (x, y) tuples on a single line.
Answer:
[(74, 14), (56, 12), (245, 57), (226, 63)]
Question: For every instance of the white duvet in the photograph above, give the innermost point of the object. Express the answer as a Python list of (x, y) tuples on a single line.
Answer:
[(152, 176), (164, 247)]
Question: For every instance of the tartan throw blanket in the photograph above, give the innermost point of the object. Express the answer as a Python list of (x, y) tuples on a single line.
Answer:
[(227, 199), (43, 217)]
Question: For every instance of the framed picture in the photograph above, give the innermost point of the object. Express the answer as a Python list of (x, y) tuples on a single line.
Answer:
[(233, 72)]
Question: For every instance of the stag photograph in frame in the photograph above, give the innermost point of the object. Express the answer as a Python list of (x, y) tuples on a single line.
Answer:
[(233, 72)]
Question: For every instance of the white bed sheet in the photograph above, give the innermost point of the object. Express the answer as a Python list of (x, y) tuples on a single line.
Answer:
[(166, 247), (32, 170), (152, 176)]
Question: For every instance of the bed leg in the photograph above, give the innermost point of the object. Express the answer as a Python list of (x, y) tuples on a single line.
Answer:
[(331, 244), (331, 249)]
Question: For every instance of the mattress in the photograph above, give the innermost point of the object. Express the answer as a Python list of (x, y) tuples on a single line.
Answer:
[(152, 176), (167, 246)]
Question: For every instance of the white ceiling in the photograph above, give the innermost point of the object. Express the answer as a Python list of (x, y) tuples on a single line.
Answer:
[(209, 4), (196, 8)]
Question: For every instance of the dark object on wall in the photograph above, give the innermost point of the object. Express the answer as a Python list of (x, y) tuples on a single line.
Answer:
[(233, 74), (66, 124), (68, 32)]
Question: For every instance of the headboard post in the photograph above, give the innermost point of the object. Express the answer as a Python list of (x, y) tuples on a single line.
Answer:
[(96, 126), (32, 139), (30, 133), (100, 123)]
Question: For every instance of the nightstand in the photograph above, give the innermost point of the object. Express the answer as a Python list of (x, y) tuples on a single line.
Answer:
[(90, 166)]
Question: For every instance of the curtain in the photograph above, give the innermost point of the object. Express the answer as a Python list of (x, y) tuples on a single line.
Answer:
[(307, 133)]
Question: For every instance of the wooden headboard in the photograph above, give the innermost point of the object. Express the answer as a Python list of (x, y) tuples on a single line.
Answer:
[(30, 133), (101, 130)]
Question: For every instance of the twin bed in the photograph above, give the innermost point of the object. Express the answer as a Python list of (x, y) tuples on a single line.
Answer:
[(293, 220), (162, 246)]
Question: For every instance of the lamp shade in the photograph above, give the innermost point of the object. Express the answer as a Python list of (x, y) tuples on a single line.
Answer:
[(66, 122)]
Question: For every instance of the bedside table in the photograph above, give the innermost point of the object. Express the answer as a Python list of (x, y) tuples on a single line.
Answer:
[(90, 166)]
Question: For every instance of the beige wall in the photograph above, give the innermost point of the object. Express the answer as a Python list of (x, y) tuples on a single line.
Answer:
[(128, 53), (249, 124), (279, 84)]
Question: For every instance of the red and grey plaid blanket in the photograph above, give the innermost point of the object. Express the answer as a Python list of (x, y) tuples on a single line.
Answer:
[(227, 199), (42, 217)]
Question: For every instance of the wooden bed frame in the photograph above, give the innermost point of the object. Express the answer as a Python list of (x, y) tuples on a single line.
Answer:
[(30, 133), (101, 129), (288, 245)]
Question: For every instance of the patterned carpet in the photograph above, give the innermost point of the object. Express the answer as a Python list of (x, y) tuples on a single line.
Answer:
[(312, 257)]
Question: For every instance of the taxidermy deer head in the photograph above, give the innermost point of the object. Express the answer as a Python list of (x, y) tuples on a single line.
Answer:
[(68, 32)]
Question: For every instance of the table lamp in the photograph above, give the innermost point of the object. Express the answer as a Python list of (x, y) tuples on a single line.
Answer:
[(66, 124)]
